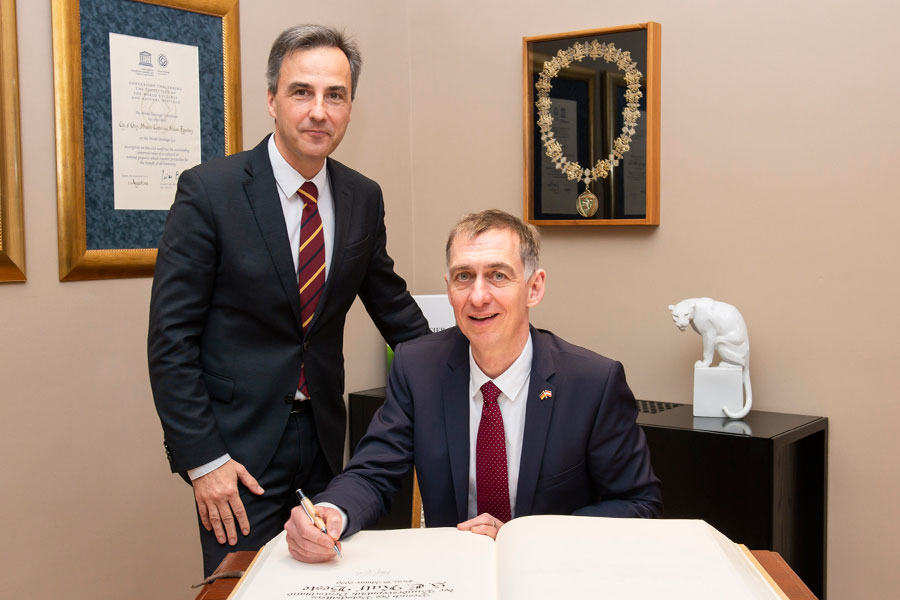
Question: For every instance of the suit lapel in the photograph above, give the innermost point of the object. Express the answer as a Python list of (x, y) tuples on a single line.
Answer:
[(455, 398), (262, 193), (343, 215), (537, 422)]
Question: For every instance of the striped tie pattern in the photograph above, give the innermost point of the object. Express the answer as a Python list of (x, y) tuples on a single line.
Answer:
[(491, 474), (311, 267)]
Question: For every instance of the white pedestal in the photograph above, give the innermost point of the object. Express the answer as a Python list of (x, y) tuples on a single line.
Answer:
[(716, 388)]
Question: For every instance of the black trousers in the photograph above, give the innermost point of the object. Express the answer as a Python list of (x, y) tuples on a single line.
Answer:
[(298, 462)]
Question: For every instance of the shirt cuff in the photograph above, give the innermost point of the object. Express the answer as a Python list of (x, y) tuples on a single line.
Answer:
[(208, 467), (340, 510)]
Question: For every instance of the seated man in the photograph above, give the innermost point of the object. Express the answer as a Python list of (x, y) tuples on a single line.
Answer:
[(500, 419)]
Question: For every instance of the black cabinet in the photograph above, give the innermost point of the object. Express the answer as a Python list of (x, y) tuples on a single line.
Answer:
[(761, 481)]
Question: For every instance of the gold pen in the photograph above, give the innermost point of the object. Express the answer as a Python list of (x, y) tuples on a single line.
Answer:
[(310, 511)]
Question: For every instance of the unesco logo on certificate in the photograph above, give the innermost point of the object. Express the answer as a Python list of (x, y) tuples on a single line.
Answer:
[(145, 59)]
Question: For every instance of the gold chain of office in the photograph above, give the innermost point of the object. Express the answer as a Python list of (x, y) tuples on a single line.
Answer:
[(576, 53)]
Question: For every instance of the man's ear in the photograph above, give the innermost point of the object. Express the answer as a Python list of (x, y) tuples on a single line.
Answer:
[(270, 100), (536, 288)]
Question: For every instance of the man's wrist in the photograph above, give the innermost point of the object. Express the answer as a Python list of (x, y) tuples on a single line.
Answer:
[(340, 510), (209, 467)]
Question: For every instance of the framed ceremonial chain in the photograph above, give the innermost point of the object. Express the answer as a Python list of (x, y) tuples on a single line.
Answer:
[(12, 226), (144, 89), (591, 126)]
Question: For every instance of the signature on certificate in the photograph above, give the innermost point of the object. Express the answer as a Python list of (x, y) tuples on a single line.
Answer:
[(169, 177)]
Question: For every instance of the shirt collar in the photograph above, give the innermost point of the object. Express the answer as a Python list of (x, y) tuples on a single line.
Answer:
[(287, 178), (509, 382)]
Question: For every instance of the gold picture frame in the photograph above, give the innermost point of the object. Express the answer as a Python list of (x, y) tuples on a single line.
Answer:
[(76, 261), (12, 226), (620, 206)]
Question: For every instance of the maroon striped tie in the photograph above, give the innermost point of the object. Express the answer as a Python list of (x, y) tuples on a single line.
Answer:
[(491, 476), (311, 267)]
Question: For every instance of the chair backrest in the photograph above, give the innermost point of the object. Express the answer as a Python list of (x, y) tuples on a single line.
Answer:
[(418, 511)]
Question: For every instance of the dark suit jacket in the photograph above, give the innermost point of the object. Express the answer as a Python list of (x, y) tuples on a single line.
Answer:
[(225, 343), (582, 451)]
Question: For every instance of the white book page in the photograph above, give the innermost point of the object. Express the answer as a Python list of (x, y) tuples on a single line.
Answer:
[(437, 564), (743, 567), (576, 557)]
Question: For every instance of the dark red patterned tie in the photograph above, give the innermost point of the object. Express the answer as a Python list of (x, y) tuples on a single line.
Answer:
[(491, 477), (311, 267)]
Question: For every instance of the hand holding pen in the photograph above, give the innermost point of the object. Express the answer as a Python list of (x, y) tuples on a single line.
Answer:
[(307, 531)]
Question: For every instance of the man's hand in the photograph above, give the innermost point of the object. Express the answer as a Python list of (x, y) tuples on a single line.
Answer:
[(305, 542), (483, 524), (218, 501)]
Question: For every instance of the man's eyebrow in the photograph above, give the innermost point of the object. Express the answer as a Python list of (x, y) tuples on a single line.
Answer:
[(298, 84), (302, 85), (494, 265)]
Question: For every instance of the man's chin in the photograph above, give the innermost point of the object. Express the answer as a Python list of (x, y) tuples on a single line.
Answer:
[(316, 151), (481, 337)]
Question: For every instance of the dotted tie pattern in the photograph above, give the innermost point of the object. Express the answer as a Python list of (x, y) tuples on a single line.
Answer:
[(311, 267), (491, 476)]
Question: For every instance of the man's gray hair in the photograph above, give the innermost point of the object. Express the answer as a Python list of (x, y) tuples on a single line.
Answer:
[(474, 224), (307, 37)]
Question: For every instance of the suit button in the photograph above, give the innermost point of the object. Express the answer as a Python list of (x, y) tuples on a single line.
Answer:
[(306, 345)]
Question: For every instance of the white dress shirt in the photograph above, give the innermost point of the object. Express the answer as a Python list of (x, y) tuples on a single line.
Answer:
[(513, 385), (288, 181)]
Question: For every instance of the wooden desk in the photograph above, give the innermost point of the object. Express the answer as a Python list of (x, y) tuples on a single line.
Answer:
[(772, 562)]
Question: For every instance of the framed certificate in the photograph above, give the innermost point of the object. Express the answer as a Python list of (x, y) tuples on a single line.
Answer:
[(12, 228), (144, 90)]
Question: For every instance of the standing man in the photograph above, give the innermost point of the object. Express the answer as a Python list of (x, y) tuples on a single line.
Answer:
[(500, 419), (263, 254)]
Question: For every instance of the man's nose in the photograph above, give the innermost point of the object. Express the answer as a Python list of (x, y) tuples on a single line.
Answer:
[(480, 292), (317, 112)]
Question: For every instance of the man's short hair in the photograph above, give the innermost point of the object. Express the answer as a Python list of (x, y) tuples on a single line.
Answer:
[(474, 224), (307, 37)]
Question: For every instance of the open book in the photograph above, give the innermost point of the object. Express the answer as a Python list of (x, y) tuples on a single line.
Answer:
[(535, 557)]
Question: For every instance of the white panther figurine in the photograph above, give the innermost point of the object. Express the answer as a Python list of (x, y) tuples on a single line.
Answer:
[(722, 328)]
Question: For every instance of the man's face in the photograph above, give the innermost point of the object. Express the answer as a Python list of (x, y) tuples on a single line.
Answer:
[(311, 106), (490, 294)]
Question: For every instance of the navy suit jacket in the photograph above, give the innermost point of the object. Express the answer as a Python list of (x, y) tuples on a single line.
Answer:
[(225, 342), (582, 451)]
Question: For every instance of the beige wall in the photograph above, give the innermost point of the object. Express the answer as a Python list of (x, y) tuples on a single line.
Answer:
[(779, 127), (777, 131), (88, 503)]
